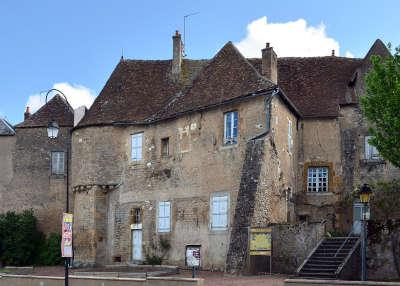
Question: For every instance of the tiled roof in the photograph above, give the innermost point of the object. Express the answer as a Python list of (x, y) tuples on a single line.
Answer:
[(315, 85), (6, 128), (144, 91), (57, 109)]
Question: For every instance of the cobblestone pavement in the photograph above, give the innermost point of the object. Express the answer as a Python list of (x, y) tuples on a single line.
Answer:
[(210, 278)]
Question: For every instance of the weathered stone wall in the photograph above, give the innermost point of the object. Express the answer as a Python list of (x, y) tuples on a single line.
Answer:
[(198, 166), (382, 249), (236, 260), (278, 174), (320, 141), (32, 184), (291, 243), (7, 146)]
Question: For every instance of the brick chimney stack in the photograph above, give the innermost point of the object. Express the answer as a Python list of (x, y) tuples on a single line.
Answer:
[(269, 64), (177, 55), (27, 113)]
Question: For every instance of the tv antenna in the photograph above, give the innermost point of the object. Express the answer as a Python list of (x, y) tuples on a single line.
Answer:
[(184, 30)]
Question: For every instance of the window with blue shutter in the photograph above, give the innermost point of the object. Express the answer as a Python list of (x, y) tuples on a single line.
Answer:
[(136, 142), (57, 163), (219, 211), (164, 217), (231, 127)]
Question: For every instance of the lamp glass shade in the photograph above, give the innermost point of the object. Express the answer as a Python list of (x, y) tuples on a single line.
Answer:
[(364, 198), (52, 130), (365, 193)]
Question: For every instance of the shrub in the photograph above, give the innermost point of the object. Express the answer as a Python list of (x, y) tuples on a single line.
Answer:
[(19, 238), (50, 251), (21, 243)]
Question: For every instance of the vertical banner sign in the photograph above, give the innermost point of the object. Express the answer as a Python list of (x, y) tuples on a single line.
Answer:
[(66, 241)]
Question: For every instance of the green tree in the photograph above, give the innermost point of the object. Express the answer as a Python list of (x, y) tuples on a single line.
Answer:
[(381, 105)]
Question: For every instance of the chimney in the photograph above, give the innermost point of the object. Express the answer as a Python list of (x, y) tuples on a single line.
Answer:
[(269, 64), (27, 114), (177, 54), (79, 113)]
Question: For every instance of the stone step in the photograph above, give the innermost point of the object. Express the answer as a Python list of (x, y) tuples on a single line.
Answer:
[(318, 275)]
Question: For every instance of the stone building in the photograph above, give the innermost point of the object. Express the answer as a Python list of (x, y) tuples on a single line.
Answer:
[(195, 152), (33, 167)]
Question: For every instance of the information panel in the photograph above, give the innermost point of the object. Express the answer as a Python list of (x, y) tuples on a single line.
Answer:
[(260, 241)]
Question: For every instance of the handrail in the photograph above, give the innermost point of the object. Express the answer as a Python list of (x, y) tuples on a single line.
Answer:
[(339, 269), (344, 243), (309, 255)]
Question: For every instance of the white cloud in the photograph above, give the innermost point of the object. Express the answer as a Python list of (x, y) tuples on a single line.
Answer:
[(294, 38), (348, 54), (77, 95)]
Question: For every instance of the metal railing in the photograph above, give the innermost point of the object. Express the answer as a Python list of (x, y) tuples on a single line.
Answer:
[(344, 243)]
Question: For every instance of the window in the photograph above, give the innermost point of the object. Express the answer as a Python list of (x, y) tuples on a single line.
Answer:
[(231, 127), (165, 147), (290, 136), (371, 153), (219, 211), (164, 217), (317, 179), (136, 216), (137, 142), (57, 163)]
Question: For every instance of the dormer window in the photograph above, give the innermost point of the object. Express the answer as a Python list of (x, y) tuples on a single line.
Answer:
[(230, 128)]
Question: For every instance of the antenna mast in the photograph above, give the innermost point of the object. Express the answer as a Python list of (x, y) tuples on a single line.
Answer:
[(184, 30)]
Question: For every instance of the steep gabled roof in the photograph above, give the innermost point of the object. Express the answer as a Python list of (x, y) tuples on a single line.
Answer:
[(138, 89), (57, 109), (6, 128), (144, 91), (315, 85), (227, 76)]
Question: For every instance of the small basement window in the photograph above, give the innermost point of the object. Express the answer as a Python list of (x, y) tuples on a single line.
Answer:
[(165, 147), (317, 179)]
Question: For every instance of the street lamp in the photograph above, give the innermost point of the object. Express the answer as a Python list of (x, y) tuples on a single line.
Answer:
[(365, 196), (52, 132)]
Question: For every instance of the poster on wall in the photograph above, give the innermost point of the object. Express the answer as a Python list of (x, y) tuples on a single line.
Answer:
[(260, 241), (66, 240), (193, 256)]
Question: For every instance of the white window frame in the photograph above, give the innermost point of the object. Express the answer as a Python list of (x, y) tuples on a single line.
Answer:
[(162, 215), (215, 201), (290, 136), (231, 139), (370, 151), (137, 147), (316, 175), (59, 167)]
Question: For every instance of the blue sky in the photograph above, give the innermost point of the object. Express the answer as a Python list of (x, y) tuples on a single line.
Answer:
[(76, 44)]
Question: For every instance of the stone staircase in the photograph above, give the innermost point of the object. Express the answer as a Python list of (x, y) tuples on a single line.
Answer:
[(330, 257)]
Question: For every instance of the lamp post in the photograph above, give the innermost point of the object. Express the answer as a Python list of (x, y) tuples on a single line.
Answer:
[(365, 196), (52, 132)]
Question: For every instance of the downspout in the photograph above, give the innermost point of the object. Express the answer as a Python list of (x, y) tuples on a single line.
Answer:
[(268, 107)]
